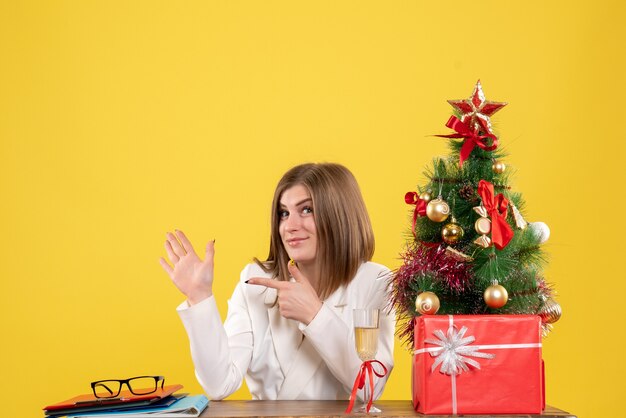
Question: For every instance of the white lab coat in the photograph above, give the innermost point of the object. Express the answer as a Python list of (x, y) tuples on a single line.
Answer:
[(282, 358)]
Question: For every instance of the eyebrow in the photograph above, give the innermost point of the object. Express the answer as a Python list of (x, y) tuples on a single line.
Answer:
[(308, 199)]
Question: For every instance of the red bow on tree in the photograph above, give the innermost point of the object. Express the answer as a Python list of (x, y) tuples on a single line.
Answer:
[(501, 232), (359, 383), (411, 198), (472, 138)]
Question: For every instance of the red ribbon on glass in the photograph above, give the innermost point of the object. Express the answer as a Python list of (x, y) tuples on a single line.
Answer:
[(501, 232), (367, 370), (411, 198), (472, 138)]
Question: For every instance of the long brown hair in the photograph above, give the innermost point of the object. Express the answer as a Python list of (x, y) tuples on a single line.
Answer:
[(345, 238)]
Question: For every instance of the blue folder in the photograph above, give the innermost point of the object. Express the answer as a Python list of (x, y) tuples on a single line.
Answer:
[(189, 406)]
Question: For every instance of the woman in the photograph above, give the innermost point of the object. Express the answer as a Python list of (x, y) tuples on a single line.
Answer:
[(289, 323)]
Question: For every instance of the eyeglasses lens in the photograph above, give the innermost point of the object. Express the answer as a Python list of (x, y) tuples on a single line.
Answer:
[(107, 389), (142, 385)]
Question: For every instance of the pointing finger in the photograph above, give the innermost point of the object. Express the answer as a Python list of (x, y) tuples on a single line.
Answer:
[(274, 284)]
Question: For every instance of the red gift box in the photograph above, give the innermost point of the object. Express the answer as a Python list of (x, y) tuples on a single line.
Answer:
[(478, 364)]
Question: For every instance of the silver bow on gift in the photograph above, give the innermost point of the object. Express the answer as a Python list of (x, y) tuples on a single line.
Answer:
[(454, 351)]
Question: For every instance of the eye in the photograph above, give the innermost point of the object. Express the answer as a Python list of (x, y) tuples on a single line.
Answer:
[(283, 214), (307, 210)]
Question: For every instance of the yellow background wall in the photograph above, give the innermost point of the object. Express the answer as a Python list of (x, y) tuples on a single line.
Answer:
[(122, 120)]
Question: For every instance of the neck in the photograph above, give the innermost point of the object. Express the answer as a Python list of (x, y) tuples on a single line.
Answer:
[(310, 271)]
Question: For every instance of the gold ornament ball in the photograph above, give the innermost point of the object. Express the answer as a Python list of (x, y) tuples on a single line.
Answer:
[(426, 197), (452, 233), (437, 210), (496, 296), (427, 303), (498, 167), (550, 312)]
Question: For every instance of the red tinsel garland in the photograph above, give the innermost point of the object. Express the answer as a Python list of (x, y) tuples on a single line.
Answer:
[(418, 261)]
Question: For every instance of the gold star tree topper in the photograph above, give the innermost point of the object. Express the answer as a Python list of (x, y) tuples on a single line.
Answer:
[(476, 110)]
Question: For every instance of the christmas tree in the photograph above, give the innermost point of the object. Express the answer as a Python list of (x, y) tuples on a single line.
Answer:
[(470, 250)]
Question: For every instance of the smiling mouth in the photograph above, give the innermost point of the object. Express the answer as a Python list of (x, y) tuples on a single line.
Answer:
[(295, 241)]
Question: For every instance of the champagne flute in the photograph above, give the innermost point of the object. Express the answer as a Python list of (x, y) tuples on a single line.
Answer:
[(366, 342)]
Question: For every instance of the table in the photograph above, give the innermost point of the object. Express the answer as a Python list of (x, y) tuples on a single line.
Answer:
[(310, 409)]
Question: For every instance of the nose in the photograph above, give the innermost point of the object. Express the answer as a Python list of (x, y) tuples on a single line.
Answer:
[(293, 222)]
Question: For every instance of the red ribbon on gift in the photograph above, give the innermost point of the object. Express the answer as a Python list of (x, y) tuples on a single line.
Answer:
[(501, 232), (411, 198), (472, 138), (367, 370)]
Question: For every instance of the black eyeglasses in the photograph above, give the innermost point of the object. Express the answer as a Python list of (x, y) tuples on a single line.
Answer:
[(139, 385)]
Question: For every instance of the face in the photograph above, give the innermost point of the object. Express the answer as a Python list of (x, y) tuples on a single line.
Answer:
[(297, 224)]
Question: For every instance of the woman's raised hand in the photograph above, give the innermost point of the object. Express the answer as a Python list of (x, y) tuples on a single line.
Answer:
[(192, 276)]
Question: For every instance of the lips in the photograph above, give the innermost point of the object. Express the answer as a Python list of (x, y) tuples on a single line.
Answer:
[(295, 241)]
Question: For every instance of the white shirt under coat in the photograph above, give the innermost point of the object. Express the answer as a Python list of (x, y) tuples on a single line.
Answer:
[(283, 359)]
